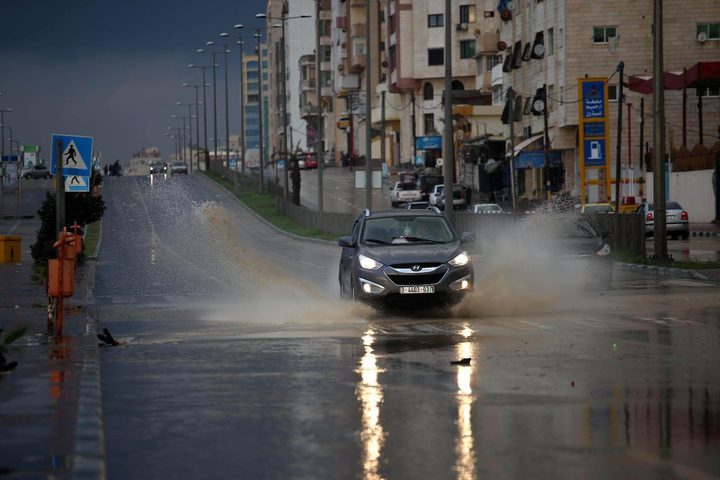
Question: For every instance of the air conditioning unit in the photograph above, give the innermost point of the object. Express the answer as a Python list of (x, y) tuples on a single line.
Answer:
[(462, 27), (702, 37)]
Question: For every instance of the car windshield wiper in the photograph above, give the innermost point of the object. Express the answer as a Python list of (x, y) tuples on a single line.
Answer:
[(375, 240), (419, 239)]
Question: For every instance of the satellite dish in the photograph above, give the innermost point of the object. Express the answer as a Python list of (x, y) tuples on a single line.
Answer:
[(439, 162), (702, 37), (501, 46), (491, 165), (539, 50)]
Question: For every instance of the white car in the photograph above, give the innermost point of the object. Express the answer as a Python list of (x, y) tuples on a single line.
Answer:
[(487, 208), (403, 193), (435, 194)]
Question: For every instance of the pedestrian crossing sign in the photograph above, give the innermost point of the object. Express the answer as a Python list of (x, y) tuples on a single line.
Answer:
[(75, 154), (76, 183)]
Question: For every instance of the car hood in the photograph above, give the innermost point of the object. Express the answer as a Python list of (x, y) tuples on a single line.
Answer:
[(413, 253), (579, 246)]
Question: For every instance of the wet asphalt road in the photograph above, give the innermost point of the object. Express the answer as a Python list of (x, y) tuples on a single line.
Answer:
[(240, 363)]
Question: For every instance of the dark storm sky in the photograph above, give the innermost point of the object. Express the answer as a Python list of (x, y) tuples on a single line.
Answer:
[(112, 69)]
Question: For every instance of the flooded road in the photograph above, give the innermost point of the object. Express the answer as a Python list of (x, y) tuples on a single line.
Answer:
[(240, 362)]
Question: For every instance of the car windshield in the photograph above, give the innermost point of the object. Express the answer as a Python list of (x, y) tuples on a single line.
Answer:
[(598, 209), (569, 227), (179, 164), (406, 229), (668, 206)]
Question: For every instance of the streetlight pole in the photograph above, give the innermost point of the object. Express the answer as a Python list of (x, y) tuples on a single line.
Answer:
[(368, 109), (448, 153), (2, 124), (242, 97), (182, 136), (197, 124), (214, 84), (318, 92), (189, 105), (283, 20), (258, 35), (227, 111), (205, 135)]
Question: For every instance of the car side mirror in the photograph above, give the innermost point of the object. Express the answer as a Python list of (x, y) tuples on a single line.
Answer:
[(467, 237), (346, 242)]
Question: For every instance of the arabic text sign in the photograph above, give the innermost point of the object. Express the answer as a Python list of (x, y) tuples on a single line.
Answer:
[(593, 99)]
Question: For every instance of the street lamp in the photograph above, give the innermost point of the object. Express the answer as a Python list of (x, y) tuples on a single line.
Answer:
[(284, 19), (2, 124), (175, 142), (182, 135), (197, 122), (258, 36), (204, 102), (240, 42), (214, 82), (189, 105), (227, 110)]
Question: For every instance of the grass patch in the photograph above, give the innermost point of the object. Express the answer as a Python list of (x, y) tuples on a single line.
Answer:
[(264, 205), (627, 258), (92, 238)]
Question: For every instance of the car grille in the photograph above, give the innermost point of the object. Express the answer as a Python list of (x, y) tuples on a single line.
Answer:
[(425, 279), (410, 265)]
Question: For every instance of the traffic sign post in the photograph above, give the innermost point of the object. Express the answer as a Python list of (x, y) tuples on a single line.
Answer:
[(74, 156)]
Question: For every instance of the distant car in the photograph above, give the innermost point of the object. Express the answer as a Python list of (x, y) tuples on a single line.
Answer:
[(597, 208), (435, 193), (487, 208), (426, 184), (417, 206), (676, 219), (405, 257), (404, 192), (311, 161), (157, 167), (459, 201), (178, 168), (37, 171)]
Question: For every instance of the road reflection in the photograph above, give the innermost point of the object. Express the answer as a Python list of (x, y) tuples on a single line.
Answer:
[(370, 395), (465, 445)]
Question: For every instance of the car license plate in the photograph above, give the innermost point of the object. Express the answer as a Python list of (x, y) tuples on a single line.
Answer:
[(418, 289), (671, 217)]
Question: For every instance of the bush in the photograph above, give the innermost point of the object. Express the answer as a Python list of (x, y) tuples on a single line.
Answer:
[(82, 208)]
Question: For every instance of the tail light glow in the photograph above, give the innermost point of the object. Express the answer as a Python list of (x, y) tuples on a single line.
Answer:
[(684, 216), (650, 216)]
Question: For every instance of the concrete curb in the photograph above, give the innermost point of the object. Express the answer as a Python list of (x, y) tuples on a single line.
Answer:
[(668, 271), (704, 234), (266, 222), (89, 451)]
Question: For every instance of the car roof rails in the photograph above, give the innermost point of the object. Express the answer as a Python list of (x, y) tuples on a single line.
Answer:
[(434, 209)]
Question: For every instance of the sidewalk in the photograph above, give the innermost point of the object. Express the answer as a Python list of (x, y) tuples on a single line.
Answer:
[(44, 418), (704, 230)]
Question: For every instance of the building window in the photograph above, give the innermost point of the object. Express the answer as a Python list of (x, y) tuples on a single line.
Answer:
[(253, 98), (391, 24), (435, 20), (493, 60), (436, 56), (711, 30), (713, 92), (428, 91), (467, 48), (612, 92), (457, 85), (551, 98), (325, 26), (358, 47), (325, 78), (467, 13), (325, 53), (603, 34), (479, 65), (550, 42), (429, 123)]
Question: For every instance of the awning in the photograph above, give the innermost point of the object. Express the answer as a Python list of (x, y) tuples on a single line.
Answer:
[(702, 74), (520, 146)]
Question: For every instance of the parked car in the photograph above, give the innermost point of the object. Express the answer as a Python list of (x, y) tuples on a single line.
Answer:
[(157, 166), (487, 208), (677, 220), (435, 194), (410, 257), (459, 201), (426, 183), (404, 192), (37, 171), (311, 161), (178, 168), (597, 208)]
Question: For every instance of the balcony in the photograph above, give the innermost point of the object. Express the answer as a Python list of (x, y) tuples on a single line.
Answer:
[(307, 84), (358, 30), (487, 42)]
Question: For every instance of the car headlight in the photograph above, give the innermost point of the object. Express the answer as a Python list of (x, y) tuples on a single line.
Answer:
[(460, 260), (605, 250), (368, 263)]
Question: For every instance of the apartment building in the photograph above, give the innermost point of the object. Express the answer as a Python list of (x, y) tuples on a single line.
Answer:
[(255, 77), (589, 39)]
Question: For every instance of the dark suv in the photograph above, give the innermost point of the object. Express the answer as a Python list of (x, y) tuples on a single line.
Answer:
[(404, 256)]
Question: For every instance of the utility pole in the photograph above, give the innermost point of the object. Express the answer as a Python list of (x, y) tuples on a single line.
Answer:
[(660, 226), (618, 152), (414, 131), (546, 142), (382, 127), (318, 87), (59, 188), (368, 111), (510, 99), (448, 154)]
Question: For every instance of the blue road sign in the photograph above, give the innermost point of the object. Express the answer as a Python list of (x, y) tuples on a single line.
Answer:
[(76, 155), (593, 100), (75, 183), (595, 153)]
